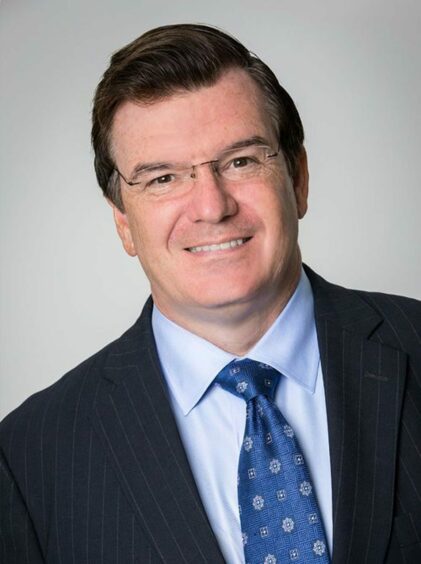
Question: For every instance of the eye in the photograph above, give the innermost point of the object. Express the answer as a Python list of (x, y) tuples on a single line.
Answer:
[(161, 181), (241, 162)]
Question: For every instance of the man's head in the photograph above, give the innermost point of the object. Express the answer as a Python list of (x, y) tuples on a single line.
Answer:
[(179, 58), (199, 150)]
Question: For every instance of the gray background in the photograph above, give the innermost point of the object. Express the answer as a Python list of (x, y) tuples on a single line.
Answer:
[(67, 288)]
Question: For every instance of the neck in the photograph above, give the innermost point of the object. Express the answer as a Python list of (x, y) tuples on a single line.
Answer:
[(236, 328)]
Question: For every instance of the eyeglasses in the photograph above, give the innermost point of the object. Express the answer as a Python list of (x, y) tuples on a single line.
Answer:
[(234, 166)]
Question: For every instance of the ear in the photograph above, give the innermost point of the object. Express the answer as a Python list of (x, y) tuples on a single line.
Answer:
[(123, 230), (301, 184)]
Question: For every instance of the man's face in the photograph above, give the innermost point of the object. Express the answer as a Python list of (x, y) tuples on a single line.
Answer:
[(168, 232)]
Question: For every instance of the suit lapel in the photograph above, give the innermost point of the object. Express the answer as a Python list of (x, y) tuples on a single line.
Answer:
[(135, 423), (364, 382)]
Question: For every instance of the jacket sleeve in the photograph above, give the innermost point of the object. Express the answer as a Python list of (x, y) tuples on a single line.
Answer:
[(18, 540)]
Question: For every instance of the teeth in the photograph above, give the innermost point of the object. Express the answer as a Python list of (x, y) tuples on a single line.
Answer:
[(221, 247)]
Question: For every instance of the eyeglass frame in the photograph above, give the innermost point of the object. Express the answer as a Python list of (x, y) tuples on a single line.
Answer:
[(212, 162)]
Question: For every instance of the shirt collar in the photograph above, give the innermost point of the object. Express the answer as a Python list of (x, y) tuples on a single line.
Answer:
[(190, 363)]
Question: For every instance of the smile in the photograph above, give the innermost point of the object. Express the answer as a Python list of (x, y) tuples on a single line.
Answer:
[(220, 247)]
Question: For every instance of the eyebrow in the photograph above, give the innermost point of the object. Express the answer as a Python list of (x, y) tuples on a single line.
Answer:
[(154, 166), (255, 140)]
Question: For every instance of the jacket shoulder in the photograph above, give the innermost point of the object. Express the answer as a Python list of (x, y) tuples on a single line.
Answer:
[(396, 320), (390, 319), (72, 396), (408, 309)]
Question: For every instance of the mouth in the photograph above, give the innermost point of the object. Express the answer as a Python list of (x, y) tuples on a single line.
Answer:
[(219, 247)]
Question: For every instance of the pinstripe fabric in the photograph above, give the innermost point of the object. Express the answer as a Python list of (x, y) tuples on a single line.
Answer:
[(92, 469), (371, 358), (82, 482)]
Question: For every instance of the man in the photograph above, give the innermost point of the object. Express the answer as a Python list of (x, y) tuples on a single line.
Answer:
[(133, 456)]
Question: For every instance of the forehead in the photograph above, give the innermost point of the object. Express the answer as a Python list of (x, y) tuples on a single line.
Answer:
[(191, 124)]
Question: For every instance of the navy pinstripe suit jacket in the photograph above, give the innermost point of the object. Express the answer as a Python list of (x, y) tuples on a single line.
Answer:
[(93, 469)]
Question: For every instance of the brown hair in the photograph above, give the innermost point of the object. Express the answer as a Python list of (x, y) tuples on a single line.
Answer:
[(171, 58)]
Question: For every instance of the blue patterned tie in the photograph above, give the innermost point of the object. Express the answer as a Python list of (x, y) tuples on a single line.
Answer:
[(280, 518)]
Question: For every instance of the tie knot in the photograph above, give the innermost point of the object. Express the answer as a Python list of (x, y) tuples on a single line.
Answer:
[(248, 378)]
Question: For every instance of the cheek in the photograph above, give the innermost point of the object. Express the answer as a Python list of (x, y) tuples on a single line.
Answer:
[(279, 215), (286, 203), (277, 206), (152, 227)]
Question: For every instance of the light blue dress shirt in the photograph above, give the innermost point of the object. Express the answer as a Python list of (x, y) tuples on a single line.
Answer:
[(211, 421)]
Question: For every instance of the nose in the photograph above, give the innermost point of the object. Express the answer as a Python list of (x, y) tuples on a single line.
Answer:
[(210, 200)]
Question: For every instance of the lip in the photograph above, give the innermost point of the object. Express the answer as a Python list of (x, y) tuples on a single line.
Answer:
[(209, 248)]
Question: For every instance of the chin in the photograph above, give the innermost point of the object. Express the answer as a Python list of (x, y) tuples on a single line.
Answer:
[(219, 296)]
